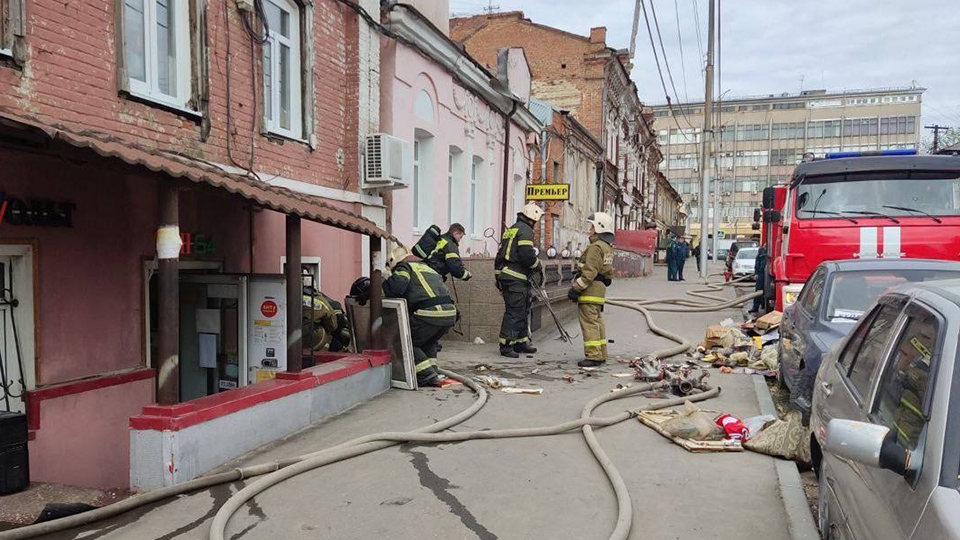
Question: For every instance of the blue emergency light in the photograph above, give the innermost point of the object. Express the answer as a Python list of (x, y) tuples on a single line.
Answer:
[(900, 152)]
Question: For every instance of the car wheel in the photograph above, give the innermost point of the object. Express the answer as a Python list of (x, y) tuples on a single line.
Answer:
[(823, 509)]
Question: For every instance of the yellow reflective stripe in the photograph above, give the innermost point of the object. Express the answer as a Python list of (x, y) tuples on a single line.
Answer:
[(506, 254), (907, 404), (426, 364), (525, 243), (513, 273), (597, 343), (505, 341), (452, 312), (453, 255), (536, 263), (591, 300), (423, 281), (403, 273)]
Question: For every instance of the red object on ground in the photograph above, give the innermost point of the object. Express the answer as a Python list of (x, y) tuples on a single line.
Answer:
[(642, 242), (449, 382), (733, 427), (726, 276)]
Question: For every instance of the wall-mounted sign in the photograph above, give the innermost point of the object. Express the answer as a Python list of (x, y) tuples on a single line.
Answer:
[(35, 212), (548, 192), (197, 244)]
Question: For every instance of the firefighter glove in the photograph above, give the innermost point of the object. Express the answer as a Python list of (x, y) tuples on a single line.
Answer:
[(606, 281), (467, 275), (573, 294)]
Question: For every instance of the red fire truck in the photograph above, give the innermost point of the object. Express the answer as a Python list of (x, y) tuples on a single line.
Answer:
[(850, 205)]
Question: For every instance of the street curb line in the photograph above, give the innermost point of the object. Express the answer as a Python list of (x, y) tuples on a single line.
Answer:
[(799, 517)]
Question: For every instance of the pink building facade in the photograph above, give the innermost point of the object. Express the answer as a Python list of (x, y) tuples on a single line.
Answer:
[(443, 103)]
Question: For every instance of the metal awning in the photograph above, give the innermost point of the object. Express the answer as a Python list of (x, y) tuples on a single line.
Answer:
[(181, 166)]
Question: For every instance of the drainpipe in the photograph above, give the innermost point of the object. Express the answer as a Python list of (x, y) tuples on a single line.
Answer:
[(506, 163), (168, 270)]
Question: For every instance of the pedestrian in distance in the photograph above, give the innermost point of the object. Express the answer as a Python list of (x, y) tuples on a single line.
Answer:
[(431, 309), (683, 253), (696, 255), (514, 268), (589, 290), (671, 260), (760, 268)]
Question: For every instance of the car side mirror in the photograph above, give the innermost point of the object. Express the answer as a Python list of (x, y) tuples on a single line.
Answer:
[(755, 226), (757, 214), (868, 444), (772, 216)]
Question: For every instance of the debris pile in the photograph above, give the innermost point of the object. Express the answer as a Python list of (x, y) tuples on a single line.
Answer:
[(748, 348), (684, 378)]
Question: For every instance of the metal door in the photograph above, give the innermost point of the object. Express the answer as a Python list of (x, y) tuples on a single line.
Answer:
[(13, 363)]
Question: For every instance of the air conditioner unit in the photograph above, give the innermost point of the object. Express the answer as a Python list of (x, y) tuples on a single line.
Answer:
[(387, 162), (756, 167), (756, 191)]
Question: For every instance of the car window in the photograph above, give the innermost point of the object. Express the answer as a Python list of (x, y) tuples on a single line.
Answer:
[(902, 398), (812, 291), (871, 350), (747, 253), (850, 293)]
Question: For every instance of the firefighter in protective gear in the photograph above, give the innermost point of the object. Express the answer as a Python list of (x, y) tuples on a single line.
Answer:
[(516, 264), (445, 259), (432, 311), (325, 324), (594, 275)]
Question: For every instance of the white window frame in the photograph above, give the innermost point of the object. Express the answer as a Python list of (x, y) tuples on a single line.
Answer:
[(415, 184), (294, 42), (150, 89), (474, 194), (314, 262)]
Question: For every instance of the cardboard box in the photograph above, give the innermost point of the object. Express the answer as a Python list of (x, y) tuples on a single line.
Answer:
[(714, 334), (768, 322)]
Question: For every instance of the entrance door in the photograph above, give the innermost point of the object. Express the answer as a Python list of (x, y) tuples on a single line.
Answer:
[(16, 326)]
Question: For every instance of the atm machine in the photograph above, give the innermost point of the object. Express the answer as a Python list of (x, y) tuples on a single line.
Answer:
[(233, 331)]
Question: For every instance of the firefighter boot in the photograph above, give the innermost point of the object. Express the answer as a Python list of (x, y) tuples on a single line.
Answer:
[(507, 350), (586, 362), (594, 335), (524, 347)]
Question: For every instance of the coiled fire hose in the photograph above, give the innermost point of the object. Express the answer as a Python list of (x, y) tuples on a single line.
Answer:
[(275, 472)]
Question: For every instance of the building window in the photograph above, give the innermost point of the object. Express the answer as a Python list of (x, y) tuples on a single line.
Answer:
[(785, 156), (792, 105), (860, 127), (898, 125), (476, 173), (156, 49), (416, 184), (12, 34), (453, 165), (819, 129), (282, 69)]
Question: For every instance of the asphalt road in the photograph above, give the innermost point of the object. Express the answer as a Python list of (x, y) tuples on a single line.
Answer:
[(511, 489)]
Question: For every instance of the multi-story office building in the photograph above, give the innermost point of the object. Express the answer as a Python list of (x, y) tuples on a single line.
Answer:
[(760, 139)]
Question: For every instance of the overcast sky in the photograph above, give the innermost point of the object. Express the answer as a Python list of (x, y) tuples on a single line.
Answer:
[(769, 46)]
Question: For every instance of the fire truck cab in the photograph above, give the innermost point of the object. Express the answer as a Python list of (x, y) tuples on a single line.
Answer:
[(854, 205)]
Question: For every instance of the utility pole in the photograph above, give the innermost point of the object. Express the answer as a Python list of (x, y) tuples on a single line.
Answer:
[(705, 142), (936, 128), (490, 9)]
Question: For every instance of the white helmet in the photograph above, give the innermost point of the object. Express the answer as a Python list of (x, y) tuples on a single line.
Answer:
[(397, 255), (601, 221), (532, 212)]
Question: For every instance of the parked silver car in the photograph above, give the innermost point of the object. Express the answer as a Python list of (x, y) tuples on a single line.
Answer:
[(886, 420)]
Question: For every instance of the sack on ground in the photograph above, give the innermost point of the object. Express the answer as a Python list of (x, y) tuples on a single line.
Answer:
[(785, 438), (693, 424)]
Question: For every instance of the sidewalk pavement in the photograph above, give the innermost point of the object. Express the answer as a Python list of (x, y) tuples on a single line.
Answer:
[(509, 489)]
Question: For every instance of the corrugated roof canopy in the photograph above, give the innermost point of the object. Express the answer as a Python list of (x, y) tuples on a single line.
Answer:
[(179, 166)]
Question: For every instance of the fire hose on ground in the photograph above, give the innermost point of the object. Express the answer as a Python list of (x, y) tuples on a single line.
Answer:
[(276, 472)]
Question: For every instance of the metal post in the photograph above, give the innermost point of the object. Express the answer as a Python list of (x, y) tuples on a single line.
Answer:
[(376, 298), (717, 186), (294, 296), (705, 141), (168, 293)]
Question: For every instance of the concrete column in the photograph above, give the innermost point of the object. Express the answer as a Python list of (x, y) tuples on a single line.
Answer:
[(168, 294), (376, 298), (294, 296)]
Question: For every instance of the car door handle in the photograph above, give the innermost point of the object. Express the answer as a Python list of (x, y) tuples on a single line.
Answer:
[(827, 388)]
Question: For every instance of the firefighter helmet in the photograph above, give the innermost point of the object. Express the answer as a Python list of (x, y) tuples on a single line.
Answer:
[(532, 212), (397, 255), (601, 221), (361, 290)]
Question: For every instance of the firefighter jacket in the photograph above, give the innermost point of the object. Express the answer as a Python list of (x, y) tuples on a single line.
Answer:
[(595, 267), (321, 318), (424, 291), (445, 258), (516, 258)]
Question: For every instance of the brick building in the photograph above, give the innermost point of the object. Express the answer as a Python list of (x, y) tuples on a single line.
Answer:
[(133, 130), (584, 76)]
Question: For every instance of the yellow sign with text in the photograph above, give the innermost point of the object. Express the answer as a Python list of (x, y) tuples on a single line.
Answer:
[(548, 192)]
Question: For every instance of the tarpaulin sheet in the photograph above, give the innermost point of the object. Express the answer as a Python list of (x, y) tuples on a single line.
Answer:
[(642, 242)]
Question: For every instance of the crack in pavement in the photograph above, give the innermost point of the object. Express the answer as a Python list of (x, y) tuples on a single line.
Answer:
[(441, 489)]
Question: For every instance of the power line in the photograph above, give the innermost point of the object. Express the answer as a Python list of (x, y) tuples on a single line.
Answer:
[(696, 22), (936, 128), (663, 82), (666, 60), (683, 61)]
